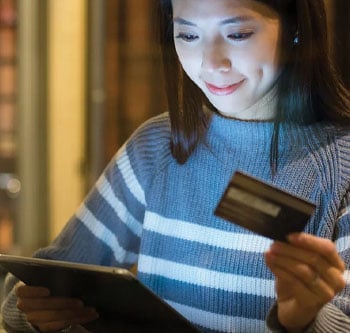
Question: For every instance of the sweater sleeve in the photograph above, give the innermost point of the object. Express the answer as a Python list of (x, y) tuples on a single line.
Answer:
[(106, 229), (13, 319), (334, 317)]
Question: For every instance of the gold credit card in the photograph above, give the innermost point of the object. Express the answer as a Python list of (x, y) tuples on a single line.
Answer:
[(263, 208)]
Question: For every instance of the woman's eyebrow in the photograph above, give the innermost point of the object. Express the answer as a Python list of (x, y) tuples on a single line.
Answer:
[(230, 20), (180, 20), (236, 19)]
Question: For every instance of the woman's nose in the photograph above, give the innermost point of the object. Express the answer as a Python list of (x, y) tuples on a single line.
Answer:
[(215, 58)]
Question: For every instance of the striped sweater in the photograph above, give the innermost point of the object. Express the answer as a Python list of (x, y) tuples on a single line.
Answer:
[(148, 209)]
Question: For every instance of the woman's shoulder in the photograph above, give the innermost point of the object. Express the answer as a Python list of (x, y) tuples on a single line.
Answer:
[(150, 143), (330, 133), (336, 150), (157, 127), (338, 134), (342, 143)]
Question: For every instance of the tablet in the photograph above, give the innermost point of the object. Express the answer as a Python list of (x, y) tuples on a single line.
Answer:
[(118, 296)]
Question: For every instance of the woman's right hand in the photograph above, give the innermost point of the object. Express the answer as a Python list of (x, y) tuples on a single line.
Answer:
[(49, 313)]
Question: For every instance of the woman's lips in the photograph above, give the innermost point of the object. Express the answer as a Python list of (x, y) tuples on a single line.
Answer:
[(223, 90)]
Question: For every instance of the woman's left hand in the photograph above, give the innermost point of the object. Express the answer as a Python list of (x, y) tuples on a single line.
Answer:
[(309, 273)]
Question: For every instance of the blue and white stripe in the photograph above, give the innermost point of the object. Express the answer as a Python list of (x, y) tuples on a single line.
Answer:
[(127, 172), (100, 231), (105, 190), (199, 233)]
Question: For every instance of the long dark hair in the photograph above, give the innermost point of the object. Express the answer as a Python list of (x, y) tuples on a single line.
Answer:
[(309, 89)]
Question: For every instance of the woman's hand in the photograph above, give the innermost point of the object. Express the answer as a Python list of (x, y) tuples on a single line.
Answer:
[(309, 273), (51, 314)]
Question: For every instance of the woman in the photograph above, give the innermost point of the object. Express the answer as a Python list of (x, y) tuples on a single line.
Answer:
[(250, 87)]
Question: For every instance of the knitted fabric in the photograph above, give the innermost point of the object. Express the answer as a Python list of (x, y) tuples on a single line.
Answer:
[(148, 209)]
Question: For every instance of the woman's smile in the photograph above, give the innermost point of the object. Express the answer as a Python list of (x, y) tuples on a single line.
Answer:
[(223, 90)]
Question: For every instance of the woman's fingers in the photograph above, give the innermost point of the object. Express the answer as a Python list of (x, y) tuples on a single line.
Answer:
[(316, 245), (291, 267), (300, 279), (63, 318), (50, 313), (306, 265), (55, 320), (25, 291), (48, 303)]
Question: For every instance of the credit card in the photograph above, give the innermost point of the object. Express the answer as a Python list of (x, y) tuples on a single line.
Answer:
[(262, 208)]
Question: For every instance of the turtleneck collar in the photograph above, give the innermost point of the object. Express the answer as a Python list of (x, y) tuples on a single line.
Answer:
[(239, 132), (265, 108)]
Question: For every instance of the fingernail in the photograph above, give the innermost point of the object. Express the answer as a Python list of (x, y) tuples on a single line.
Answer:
[(270, 256), (294, 237), (275, 247)]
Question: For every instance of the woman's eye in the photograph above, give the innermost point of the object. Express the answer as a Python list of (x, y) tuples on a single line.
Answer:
[(239, 36), (187, 37)]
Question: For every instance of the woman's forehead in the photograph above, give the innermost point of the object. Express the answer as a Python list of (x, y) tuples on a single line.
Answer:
[(203, 9)]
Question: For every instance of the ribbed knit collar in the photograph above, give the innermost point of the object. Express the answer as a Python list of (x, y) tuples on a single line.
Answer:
[(240, 133)]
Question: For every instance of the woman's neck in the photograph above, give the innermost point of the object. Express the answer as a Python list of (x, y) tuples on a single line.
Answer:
[(263, 110)]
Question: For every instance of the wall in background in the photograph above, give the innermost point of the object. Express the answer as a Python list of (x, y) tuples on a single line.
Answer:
[(8, 121), (67, 109), (134, 86)]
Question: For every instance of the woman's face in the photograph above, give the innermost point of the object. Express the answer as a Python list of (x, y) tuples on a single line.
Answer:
[(230, 49)]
